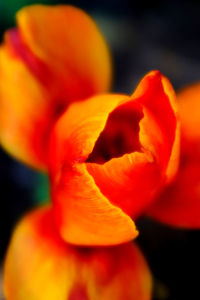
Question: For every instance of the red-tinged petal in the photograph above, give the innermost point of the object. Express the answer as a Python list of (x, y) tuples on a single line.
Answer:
[(157, 96), (129, 182), (26, 112), (135, 177), (189, 110), (39, 265), (70, 44), (189, 103), (179, 204), (110, 152)]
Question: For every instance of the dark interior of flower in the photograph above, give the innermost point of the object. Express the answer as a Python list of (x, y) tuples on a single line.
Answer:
[(120, 135)]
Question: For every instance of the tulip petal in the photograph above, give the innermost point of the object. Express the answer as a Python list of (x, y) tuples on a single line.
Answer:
[(157, 96), (109, 156), (71, 46), (83, 214), (36, 88), (189, 110), (189, 104), (129, 182), (39, 265), (88, 218), (135, 177), (179, 204), (23, 102)]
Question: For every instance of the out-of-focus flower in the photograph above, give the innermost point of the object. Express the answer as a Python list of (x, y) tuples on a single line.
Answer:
[(109, 156), (41, 266), (55, 56), (179, 203)]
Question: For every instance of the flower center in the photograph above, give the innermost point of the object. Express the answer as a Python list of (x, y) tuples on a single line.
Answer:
[(120, 135)]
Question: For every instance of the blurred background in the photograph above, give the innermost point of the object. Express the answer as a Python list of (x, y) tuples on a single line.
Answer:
[(142, 36)]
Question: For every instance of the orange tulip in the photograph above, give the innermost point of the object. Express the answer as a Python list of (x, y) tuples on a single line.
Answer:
[(109, 156), (179, 204), (55, 56), (41, 266)]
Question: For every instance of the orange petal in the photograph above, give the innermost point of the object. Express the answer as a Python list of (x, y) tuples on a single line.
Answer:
[(129, 182), (69, 42), (135, 177), (39, 265), (84, 215), (34, 88), (25, 115), (189, 110), (106, 163), (179, 204), (157, 96)]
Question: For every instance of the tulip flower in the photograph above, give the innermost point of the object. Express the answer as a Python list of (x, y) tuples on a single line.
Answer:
[(179, 203), (108, 158), (40, 266), (55, 56)]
